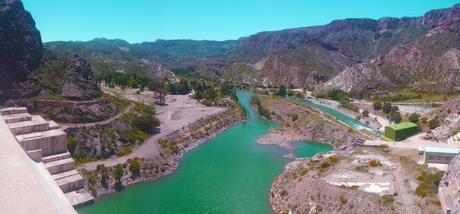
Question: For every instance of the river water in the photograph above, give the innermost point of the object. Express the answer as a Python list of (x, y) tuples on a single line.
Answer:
[(230, 173)]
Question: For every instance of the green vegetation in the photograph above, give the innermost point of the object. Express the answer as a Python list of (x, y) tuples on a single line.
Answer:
[(341, 96), (123, 80), (135, 167), (169, 145), (118, 174), (255, 100), (386, 107), (281, 91), (377, 105), (343, 200), (101, 169), (117, 138), (366, 113), (414, 117), (143, 124), (428, 183), (71, 144), (434, 123)]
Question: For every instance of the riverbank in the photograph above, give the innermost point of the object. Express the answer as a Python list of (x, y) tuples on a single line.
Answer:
[(300, 123), (171, 148)]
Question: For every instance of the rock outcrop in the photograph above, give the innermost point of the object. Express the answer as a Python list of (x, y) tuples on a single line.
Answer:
[(20, 45), (79, 81), (449, 187), (358, 79)]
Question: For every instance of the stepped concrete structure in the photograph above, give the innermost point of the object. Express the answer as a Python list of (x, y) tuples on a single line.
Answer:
[(46, 145)]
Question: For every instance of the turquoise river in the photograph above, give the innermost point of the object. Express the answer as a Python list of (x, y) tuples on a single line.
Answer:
[(230, 173)]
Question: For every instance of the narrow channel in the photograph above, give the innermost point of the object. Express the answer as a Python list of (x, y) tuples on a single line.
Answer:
[(230, 173)]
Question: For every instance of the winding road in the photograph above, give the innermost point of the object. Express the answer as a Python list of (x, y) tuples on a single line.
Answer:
[(65, 126)]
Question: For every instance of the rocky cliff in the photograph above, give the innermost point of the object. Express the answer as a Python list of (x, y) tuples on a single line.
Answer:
[(20, 45), (79, 80), (449, 187)]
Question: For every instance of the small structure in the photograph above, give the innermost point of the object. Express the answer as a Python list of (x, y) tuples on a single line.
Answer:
[(439, 155), (401, 131)]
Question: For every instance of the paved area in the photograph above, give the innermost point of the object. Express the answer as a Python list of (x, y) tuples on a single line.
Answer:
[(414, 142), (26, 188)]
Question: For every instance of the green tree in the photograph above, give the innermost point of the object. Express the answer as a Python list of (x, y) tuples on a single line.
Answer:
[(135, 167), (377, 105), (72, 144), (396, 116), (282, 91), (118, 174), (414, 117), (434, 123), (386, 107), (104, 175), (366, 113)]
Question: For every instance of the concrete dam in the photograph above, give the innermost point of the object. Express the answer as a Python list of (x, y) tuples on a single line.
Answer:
[(37, 170)]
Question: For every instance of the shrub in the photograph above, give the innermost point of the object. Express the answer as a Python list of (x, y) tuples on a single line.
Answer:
[(334, 159), (395, 116), (324, 165), (414, 117), (434, 123), (281, 91), (424, 120), (146, 123), (71, 144), (374, 163), (366, 113), (428, 183), (362, 169), (104, 176), (386, 107), (377, 105), (118, 174), (135, 167), (420, 191), (343, 199), (388, 199)]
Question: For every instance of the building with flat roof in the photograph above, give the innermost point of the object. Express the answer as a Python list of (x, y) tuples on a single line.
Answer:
[(401, 131), (439, 155)]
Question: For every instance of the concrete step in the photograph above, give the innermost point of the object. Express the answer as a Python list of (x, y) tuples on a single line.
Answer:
[(35, 155), (15, 118), (51, 142), (59, 166), (79, 198), (53, 125), (65, 174), (71, 183), (56, 157), (37, 124), (13, 110)]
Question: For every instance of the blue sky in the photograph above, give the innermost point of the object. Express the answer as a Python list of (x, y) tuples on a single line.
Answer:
[(148, 20)]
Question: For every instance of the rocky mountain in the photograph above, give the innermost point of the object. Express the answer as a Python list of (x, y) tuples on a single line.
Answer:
[(21, 47), (28, 70), (355, 55)]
